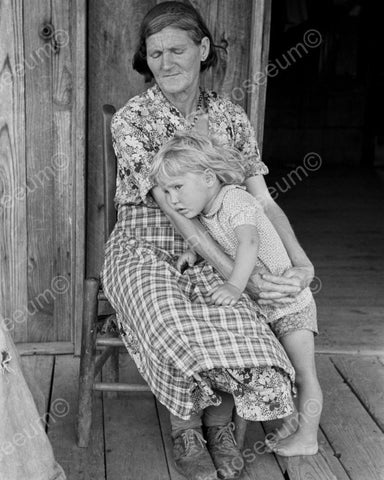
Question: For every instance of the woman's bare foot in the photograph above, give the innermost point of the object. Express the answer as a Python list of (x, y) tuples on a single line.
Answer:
[(293, 445)]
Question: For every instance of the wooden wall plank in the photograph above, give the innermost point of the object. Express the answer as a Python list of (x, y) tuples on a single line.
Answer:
[(229, 23), (78, 463), (40, 172), (354, 436), (258, 61), (63, 98), (79, 26), (13, 231)]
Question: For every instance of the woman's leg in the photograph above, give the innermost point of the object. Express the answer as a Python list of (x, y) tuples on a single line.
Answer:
[(190, 453), (222, 414), (221, 441), (300, 349)]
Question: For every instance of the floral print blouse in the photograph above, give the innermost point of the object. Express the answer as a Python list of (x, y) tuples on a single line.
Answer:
[(148, 120)]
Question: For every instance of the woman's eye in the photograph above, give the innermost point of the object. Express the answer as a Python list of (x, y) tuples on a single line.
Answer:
[(155, 54), (177, 187)]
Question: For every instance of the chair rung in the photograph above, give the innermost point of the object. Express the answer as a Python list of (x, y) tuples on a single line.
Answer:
[(109, 342), (120, 387), (101, 295)]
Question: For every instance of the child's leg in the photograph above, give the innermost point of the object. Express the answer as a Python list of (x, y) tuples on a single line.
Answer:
[(300, 349)]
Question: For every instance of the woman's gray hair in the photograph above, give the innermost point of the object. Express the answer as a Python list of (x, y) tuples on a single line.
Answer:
[(177, 15)]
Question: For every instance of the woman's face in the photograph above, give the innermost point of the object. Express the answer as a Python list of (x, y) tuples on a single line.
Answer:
[(174, 60)]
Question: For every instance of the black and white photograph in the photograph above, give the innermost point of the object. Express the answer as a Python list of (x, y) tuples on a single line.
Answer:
[(191, 240)]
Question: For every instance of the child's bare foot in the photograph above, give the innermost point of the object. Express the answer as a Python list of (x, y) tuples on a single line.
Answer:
[(295, 444)]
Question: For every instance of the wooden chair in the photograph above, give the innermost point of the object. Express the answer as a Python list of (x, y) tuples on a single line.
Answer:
[(98, 313)]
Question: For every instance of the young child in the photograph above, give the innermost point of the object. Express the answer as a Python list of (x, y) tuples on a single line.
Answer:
[(202, 179)]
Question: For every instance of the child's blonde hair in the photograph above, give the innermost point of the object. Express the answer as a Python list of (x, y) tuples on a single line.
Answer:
[(192, 152)]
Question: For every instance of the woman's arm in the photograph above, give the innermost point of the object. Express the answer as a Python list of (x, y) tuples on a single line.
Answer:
[(199, 239), (302, 272)]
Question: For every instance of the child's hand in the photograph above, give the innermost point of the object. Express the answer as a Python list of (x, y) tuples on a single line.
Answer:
[(226, 294), (186, 259)]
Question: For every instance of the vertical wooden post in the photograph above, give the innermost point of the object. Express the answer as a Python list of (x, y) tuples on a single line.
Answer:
[(78, 141), (258, 63)]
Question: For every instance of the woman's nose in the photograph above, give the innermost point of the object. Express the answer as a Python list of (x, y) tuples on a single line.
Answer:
[(166, 60)]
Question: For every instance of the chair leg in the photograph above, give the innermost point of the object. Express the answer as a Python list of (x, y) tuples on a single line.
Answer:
[(87, 361)]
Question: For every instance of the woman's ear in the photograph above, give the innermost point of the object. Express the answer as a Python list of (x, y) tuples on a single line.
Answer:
[(204, 48), (210, 177)]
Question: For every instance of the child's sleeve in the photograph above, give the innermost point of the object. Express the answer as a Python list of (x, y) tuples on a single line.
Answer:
[(241, 207)]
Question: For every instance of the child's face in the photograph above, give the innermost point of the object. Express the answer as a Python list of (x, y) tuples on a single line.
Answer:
[(189, 194)]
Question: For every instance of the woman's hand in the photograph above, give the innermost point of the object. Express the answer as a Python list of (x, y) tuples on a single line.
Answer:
[(186, 259), (270, 289)]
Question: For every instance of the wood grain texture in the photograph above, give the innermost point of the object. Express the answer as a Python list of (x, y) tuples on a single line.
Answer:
[(39, 170), (79, 26), (258, 62), (78, 463), (63, 98), (112, 36), (38, 372), (40, 173), (349, 428), (134, 449), (13, 213), (365, 376)]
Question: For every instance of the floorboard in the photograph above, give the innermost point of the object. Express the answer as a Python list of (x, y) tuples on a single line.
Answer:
[(38, 371), (365, 376), (354, 436), (78, 463), (133, 441)]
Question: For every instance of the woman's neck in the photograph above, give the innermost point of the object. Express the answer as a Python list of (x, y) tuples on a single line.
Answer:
[(185, 102)]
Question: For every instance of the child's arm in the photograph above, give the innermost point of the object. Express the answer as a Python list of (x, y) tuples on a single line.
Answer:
[(246, 257)]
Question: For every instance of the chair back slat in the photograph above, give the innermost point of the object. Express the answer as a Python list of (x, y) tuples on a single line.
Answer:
[(109, 171)]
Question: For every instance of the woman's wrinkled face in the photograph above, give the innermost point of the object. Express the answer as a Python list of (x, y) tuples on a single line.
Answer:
[(174, 60)]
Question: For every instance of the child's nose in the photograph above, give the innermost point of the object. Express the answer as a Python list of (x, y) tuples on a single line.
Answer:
[(173, 197)]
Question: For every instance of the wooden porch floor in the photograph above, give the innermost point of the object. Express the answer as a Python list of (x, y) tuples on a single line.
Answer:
[(338, 216)]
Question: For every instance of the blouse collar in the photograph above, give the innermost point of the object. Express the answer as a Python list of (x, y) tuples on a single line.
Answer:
[(218, 201)]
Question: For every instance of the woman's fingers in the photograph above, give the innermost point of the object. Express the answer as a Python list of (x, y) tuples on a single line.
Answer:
[(275, 279)]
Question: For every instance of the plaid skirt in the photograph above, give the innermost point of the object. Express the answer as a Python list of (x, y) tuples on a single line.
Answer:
[(172, 334)]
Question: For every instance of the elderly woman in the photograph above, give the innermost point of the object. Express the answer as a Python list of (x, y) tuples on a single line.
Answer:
[(199, 359)]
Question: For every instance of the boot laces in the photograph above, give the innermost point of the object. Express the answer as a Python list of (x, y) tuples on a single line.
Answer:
[(225, 436), (193, 440)]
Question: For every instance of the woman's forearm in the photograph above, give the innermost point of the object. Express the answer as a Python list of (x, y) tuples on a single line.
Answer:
[(281, 223)]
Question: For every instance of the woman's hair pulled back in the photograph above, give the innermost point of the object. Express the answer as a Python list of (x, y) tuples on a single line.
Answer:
[(176, 15)]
